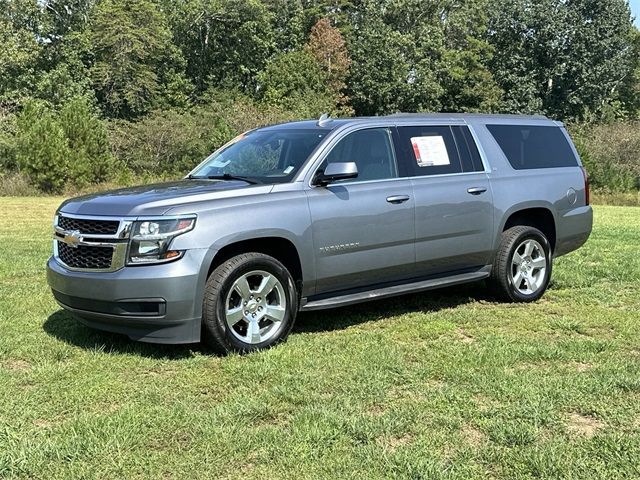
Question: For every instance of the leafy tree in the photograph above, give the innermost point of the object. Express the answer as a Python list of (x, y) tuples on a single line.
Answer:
[(167, 142), (56, 149), (134, 60), (171, 143), (341, 13), (328, 47), (394, 61), (295, 81), (64, 74), (89, 157), (468, 83), (564, 58), (41, 148), (41, 58), (630, 89), (7, 141), (225, 42), (21, 26), (288, 23), (65, 16)]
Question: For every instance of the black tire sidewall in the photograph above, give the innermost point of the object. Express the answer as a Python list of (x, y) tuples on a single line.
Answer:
[(214, 315)]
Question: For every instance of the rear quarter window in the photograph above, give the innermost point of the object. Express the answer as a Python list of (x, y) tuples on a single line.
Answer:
[(528, 147)]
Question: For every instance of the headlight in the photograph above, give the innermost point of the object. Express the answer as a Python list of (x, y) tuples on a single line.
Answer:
[(151, 239)]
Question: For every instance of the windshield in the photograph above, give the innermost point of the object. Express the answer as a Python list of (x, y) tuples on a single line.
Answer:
[(265, 156)]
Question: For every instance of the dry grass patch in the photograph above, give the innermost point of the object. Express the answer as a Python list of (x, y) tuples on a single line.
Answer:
[(43, 423), (464, 337), (485, 402), (16, 365), (583, 425), (580, 366), (376, 410), (473, 436), (391, 444)]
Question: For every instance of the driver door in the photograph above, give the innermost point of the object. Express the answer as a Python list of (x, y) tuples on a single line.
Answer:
[(363, 229)]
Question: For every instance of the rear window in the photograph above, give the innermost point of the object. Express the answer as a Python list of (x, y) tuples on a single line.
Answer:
[(528, 146)]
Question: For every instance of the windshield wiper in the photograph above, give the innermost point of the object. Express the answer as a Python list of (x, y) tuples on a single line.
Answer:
[(228, 176)]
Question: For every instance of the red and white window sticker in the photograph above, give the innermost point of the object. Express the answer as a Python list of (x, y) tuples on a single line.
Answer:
[(430, 151)]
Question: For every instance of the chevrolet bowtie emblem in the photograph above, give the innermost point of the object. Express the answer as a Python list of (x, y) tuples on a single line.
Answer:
[(72, 239)]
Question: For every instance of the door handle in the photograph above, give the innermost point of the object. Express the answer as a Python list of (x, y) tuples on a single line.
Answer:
[(476, 190), (398, 198)]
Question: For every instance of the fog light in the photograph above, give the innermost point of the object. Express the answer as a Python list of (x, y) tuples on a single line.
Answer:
[(147, 248)]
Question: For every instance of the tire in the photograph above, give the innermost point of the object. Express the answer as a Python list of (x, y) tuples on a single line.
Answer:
[(242, 317), (519, 261)]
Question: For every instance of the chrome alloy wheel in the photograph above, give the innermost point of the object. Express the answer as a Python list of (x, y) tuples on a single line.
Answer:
[(255, 307), (528, 267)]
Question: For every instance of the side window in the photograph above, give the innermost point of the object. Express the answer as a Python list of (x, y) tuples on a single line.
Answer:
[(372, 152), (528, 146), (429, 150), (467, 149)]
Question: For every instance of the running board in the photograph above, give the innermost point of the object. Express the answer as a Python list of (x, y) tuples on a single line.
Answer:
[(386, 292)]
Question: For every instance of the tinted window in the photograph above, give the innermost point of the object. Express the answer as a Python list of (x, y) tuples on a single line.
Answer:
[(429, 150), (469, 155), (372, 152), (533, 146)]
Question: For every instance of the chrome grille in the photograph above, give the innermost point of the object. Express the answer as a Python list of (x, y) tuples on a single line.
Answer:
[(91, 244), (89, 226), (85, 257)]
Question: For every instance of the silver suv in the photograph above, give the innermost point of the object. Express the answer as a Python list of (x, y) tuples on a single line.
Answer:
[(319, 214)]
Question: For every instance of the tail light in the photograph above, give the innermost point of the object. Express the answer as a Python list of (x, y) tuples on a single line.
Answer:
[(586, 185)]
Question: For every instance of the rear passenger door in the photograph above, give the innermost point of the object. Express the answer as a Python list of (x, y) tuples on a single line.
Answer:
[(453, 203)]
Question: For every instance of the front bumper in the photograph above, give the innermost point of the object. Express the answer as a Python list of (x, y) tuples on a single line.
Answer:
[(151, 303)]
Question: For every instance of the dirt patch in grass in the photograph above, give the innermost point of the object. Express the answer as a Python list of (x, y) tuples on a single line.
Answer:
[(580, 366), (391, 444), (376, 410), (547, 365), (413, 392), (17, 365), (583, 425), (473, 436), (277, 420), (42, 423), (485, 402), (464, 337)]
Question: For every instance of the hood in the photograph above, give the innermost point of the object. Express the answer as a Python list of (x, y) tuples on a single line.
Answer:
[(158, 198)]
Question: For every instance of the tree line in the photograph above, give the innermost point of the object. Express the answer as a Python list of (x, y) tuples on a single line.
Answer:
[(109, 90)]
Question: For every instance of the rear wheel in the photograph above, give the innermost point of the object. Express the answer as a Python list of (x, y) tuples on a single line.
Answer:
[(250, 303), (522, 266)]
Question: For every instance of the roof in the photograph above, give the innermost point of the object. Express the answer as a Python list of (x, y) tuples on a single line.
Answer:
[(333, 123)]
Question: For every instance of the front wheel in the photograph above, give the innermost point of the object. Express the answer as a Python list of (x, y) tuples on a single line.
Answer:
[(522, 266), (250, 303)]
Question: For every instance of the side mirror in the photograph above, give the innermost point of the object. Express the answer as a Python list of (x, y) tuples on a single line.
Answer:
[(335, 172)]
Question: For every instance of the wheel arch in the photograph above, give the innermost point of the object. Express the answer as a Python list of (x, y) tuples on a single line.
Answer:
[(276, 244), (538, 216)]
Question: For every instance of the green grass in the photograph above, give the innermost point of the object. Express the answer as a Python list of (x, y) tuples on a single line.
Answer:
[(445, 384)]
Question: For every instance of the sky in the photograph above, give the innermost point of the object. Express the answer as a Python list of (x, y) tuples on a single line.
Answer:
[(635, 9)]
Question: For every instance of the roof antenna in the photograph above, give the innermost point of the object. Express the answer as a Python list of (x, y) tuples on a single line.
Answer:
[(324, 119)]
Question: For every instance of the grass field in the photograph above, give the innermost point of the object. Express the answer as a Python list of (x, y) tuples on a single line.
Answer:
[(446, 384)]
